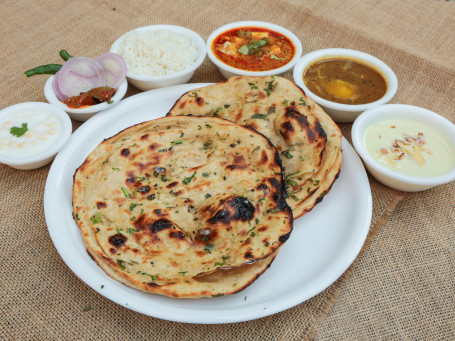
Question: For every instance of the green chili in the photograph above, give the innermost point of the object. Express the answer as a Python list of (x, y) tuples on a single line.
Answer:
[(49, 69), (65, 55)]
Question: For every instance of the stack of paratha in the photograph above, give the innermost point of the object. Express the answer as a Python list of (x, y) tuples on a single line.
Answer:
[(308, 141), (199, 203), (183, 206)]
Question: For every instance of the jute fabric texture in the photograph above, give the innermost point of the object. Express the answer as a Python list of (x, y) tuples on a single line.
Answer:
[(402, 284)]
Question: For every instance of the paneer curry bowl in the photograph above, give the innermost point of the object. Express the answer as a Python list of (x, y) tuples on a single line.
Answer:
[(253, 48)]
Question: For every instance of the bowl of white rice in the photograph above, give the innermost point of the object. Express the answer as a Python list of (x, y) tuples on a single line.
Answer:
[(160, 55)]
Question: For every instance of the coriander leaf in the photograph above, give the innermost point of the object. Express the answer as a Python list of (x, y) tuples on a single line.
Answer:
[(125, 193), (177, 142), (96, 218), (208, 248), (16, 131), (272, 56), (286, 154), (133, 206), (186, 181), (131, 230), (261, 116), (244, 50)]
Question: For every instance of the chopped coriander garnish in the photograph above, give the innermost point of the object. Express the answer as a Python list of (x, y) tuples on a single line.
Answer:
[(293, 196), (177, 142), (244, 50), (270, 87), (208, 248), (286, 154), (19, 131), (207, 144), (133, 206), (96, 218), (260, 116), (186, 181), (131, 230), (120, 263), (224, 258), (125, 193), (215, 113), (272, 56)]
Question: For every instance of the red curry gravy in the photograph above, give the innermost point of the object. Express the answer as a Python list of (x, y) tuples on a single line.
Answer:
[(253, 49)]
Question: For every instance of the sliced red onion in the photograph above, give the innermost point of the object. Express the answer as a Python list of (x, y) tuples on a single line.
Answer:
[(114, 69), (56, 88), (80, 74)]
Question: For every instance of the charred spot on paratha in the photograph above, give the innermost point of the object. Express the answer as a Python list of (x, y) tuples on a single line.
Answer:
[(117, 239)]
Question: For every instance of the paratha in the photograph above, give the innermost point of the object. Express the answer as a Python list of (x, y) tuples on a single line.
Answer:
[(306, 138), (172, 205)]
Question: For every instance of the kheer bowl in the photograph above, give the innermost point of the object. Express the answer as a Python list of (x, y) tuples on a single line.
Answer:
[(430, 121), (345, 113)]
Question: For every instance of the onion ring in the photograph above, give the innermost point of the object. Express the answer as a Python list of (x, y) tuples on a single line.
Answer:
[(80, 74), (114, 69)]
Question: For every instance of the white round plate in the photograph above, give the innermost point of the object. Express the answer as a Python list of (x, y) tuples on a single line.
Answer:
[(322, 245)]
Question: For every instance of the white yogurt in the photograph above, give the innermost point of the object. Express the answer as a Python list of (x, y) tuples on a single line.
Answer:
[(409, 147), (43, 131)]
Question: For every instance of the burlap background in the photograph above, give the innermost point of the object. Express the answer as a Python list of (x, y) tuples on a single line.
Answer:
[(400, 287)]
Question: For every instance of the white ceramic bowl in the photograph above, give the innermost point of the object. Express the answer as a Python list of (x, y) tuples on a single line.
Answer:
[(344, 113), (145, 82), (83, 114), (229, 71), (41, 158), (385, 175)]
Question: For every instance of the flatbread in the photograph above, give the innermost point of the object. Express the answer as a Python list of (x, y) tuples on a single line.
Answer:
[(164, 203), (306, 138)]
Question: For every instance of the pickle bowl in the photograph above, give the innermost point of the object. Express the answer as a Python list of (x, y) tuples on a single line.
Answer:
[(84, 113), (392, 176), (339, 112)]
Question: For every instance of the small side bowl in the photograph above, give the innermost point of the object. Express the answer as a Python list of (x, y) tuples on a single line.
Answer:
[(385, 175), (229, 71), (83, 114), (46, 156), (145, 82), (345, 113)]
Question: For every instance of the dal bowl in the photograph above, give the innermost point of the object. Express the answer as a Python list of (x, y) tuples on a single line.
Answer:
[(342, 89)]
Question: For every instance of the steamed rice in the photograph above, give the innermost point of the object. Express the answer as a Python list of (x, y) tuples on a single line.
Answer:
[(157, 53)]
